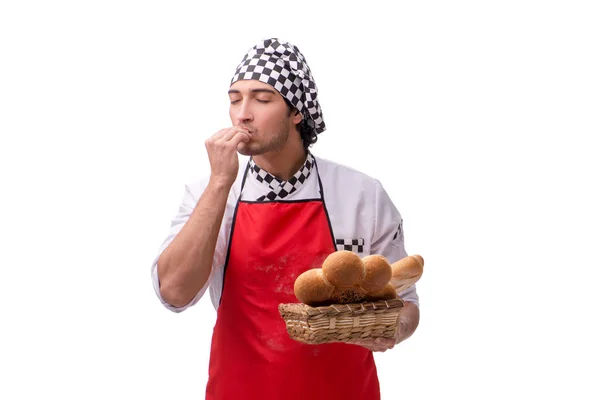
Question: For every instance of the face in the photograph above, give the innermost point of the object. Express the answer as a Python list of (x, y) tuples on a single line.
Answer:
[(262, 110)]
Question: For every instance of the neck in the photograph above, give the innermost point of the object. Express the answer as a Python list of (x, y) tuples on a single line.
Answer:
[(283, 163)]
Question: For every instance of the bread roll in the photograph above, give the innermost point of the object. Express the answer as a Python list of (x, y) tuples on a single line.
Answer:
[(378, 273), (354, 294), (346, 278), (406, 272), (388, 293), (343, 269), (311, 287)]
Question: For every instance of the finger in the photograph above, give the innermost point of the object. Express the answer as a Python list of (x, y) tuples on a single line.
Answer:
[(378, 344), (226, 135), (238, 138), (234, 132), (219, 134), (368, 344)]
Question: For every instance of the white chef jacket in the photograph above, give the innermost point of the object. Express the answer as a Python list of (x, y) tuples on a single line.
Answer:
[(363, 219)]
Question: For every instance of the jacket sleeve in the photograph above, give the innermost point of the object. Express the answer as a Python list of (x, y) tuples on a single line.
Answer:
[(187, 205), (388, 236)]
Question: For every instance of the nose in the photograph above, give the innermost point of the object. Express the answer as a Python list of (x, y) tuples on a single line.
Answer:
[(243, 113)]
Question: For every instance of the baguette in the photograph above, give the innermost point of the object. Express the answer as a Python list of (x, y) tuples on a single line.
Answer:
[(406, 272)]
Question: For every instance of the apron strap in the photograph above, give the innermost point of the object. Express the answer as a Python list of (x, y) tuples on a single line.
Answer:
[(320, 183), (244, 179)]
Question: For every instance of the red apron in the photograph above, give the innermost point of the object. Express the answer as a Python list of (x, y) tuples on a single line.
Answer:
[(252, 356)]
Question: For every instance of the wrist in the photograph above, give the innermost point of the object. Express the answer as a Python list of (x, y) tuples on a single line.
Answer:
[(220, 183)]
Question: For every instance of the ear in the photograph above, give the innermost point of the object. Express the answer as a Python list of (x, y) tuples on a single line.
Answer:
[(297, 117)]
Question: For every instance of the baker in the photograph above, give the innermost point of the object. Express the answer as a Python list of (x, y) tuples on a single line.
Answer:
[(245, 232)]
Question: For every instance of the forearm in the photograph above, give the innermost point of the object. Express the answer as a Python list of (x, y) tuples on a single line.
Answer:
[(408, 321), (185, 265)]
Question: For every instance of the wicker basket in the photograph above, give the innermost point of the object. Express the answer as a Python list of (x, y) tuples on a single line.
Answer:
[(341, 322)]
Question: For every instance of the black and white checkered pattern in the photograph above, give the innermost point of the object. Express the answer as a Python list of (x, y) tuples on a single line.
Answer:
[(281, 65), (281, 189), (355, 245)]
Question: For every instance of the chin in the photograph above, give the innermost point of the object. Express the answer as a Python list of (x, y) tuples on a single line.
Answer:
[(247, 150), (253, 148)]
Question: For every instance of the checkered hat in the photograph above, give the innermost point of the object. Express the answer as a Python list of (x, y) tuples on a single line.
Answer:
[(281, 65)]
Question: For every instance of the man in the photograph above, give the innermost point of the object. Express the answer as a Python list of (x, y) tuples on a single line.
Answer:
[(247, 231)]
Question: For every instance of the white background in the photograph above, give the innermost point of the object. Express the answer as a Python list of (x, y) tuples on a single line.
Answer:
[(479, 117)]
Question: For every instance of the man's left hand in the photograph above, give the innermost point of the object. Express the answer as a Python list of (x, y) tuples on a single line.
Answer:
[(408, 320)]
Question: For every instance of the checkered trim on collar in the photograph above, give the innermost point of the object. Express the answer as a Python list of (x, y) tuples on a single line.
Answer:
[(281, 189)]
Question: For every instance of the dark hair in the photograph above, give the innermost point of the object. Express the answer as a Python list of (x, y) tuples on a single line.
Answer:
[(307, 132)]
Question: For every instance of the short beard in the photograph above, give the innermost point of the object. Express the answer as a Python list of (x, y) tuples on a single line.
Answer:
[(276, 142)]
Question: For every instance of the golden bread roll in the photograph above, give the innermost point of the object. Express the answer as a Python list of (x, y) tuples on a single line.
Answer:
[(346, 278), (388, 293), (406, 272), (311, 287), (378, 273), (344, 269)]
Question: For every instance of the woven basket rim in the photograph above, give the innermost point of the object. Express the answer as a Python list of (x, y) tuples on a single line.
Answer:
[(334, 309)]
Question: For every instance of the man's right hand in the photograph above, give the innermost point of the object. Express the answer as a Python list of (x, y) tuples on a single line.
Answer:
[(222, 153), (185, 265)]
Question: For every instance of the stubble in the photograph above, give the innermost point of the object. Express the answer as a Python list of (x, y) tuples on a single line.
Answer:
[(268, 142)]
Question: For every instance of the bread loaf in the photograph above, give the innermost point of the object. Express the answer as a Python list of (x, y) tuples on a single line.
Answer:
[(406, 272), (344, 269), (354, 294), (311, 287), (378, 273), (388, 293), (346, 278)]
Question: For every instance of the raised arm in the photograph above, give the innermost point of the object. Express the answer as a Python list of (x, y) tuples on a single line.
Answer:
[(185, 265)]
